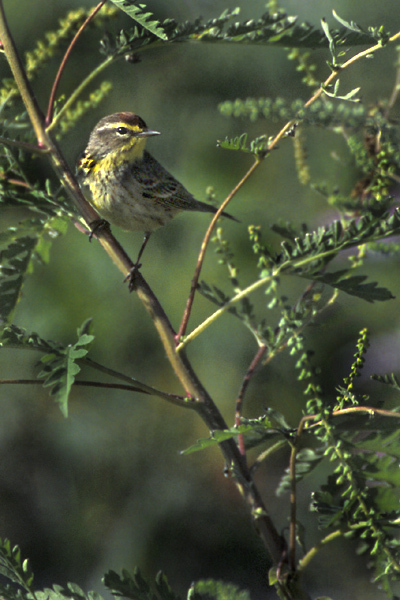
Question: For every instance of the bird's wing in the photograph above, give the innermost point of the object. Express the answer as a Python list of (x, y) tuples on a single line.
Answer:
[(162, 187)]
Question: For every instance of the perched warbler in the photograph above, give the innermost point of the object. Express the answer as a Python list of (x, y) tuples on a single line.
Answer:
[(127, 186)]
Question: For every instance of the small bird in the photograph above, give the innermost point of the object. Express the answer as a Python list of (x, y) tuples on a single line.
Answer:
[(127, 186)]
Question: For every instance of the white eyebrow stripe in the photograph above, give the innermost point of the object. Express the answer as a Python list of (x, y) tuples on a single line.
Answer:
[(116, 125)]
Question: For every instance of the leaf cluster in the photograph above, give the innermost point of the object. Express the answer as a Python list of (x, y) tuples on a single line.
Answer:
[(59, 363), (273, 27), (18, 584)]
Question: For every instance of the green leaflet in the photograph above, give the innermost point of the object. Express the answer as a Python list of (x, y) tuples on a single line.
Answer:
[(13, 567), (19, 248), (135, 587), (136, 12), (59, 363), (60, 368)]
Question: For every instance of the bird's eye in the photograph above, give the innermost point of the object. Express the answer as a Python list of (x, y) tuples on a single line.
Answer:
[(122, 130)]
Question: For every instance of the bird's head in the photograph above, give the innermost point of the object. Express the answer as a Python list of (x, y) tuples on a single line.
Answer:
[(122, 135)]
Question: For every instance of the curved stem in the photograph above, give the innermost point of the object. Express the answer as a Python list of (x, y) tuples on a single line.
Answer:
[(77, 92), (50, 109), (293, 499), (304, 562), (204, 246), (207, 322), (239, 401)]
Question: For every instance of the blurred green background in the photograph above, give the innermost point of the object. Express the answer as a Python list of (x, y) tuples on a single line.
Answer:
[(107, 488)]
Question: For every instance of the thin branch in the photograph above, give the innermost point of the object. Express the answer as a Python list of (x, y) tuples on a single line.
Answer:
[(239, 402), (266, 454), (207, 322), (395, 93), (23, 146), (78, 91), (99, 384), (305, 561), (50, 109), (293, 499), (369, 410), (142, 387)]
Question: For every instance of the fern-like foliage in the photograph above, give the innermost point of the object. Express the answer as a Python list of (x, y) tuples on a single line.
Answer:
[(136, 12), (306, 255), (324, 113), (13, 567), (255, 431), (361, 496), (391, 380), (20, 248), (307, 460), (15, 570), (210, 589), (258, 146), (61, 367), (59, 363), (274, 28), (135, 587)]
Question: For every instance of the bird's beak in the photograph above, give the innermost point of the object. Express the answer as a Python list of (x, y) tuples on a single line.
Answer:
[(148, 133)]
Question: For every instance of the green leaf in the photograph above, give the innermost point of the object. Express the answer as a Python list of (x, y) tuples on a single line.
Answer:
[(135, 587), (136, 12), (237, 143), (258, 146), (349, 25), (354, 285), (255, 431), (212, 589), (60, 368), (59, 363), (331, 41), (71, 591), (322, 113), (15, 260), (307, 460), (20, 247), (13, 567), (349, 97), (273, 28), (277, 416), (216, 438), (163, 589), (16, 337), (391, 380)]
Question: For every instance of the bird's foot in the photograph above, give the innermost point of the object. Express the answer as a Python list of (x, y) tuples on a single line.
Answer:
[(132, 276), (97, 226)]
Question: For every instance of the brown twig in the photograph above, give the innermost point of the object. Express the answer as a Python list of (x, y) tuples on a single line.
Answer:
[(293, 499), (239, 402), (50, 108), (99, 384)]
